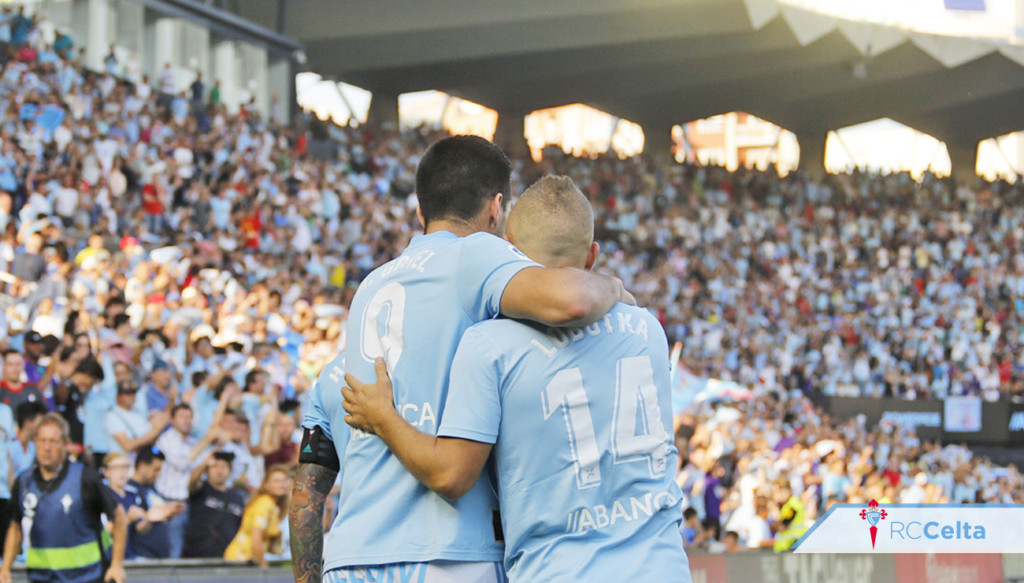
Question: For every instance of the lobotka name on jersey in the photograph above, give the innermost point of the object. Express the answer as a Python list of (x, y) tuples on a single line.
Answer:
[(621, 323)]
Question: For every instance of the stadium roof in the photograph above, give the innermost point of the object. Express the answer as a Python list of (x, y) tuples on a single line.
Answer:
[(661, 62)]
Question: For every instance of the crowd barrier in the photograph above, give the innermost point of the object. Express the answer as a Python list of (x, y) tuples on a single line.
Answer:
[(748, 567), (195, 571), (956, 420), (757, 567)]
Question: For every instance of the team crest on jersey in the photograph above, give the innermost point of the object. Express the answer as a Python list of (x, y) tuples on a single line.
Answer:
[(516, 250), (66, 502), (29, 505)]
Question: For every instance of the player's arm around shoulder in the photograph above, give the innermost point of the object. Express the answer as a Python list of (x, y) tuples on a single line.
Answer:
[(448, 466), (522, 289), (564, 296)]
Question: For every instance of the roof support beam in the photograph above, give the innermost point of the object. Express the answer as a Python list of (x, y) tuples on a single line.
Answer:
[(963, 161), (812, 154)]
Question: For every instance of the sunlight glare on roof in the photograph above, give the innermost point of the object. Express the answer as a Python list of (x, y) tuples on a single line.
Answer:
[(581, 130), (997, 19), (437, 109), (327, 99), (885, 146), (1001, 157), (736, 139)]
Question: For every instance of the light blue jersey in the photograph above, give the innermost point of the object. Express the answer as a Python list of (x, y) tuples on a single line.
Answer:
[(413, 311), (581, 422)]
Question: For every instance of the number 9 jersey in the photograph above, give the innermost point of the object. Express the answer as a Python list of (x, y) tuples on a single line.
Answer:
[(581, 423), (412, 311)]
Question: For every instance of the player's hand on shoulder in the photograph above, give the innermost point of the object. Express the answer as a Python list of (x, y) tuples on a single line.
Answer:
[(624, 295), (368, 404), (627, 298)]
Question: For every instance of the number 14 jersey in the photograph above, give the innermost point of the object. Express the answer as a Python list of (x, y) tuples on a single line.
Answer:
[(581, 423), (412, 311)]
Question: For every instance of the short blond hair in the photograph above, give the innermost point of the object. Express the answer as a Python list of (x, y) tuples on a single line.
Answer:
[(553, 223)]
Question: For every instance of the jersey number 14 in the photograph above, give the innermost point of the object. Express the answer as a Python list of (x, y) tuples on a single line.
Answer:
[(638, 433)]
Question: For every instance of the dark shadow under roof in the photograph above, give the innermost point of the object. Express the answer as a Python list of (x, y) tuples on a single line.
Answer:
[(655, 62)]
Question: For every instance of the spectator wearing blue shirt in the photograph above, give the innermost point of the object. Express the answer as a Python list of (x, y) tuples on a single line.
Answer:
[(152, 538), (203, 397), (202, 358), (691, 529), (160, 395), (198, 89), (835, 482), (47, 56), (63, 44), (116, 470), (221, 208), (179, 107), (110, 61), (21, 26)]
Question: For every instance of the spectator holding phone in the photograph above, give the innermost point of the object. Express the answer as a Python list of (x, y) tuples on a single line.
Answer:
[(214, 507)]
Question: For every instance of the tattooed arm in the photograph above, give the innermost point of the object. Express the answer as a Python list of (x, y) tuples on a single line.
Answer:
[(306, 520)]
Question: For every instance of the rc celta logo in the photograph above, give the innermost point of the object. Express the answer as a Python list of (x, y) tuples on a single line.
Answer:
[(873, 515), (917, 528)]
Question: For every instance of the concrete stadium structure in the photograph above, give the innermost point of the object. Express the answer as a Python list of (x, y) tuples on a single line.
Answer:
[(662, 62)]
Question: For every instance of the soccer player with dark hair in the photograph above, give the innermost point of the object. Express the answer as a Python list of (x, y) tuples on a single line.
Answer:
[(412, 311), (578, 423)]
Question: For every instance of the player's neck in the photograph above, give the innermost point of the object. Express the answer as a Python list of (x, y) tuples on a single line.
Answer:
[(457, 228)]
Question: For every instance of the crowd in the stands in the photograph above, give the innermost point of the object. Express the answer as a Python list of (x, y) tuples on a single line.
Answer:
[(175, 275)]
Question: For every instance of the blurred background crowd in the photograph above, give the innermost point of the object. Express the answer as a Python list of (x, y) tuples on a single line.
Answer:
[(175, 276)]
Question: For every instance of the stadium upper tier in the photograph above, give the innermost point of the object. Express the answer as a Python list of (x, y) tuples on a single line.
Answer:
[(662, 62)]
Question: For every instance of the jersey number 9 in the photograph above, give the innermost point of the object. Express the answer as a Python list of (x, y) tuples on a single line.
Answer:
[(381, 330)]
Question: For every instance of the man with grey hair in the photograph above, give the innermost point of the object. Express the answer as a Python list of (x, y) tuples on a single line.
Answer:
[(59, 503), (596, 400)]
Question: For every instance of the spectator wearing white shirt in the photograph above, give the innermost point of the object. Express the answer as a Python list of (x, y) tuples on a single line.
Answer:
[(142, 89), (106, 150), (36, 205), (167, 81), (246, 470), (65, 200), (916, 492), (126, 429), (181, 451), (758, 532)]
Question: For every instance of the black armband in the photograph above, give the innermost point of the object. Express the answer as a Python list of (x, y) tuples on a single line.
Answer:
[(317, 449)]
